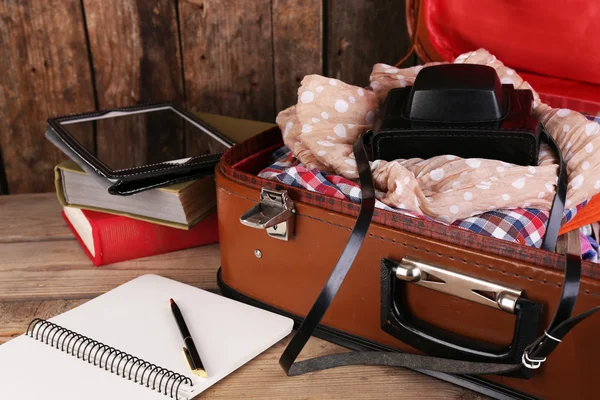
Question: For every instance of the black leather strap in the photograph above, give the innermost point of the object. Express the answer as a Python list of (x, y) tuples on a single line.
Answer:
[(536, 353), (558, 204), (562, 322), (342, 267), (544, 345), (392, 359)]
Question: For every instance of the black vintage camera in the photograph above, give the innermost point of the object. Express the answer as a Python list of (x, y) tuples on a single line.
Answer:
[(458, 109)]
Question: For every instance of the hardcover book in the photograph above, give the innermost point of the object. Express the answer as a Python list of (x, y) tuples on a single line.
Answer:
[(180, 206), (108, 238)]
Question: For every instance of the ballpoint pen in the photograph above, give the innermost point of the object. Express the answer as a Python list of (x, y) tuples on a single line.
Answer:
[(191, 353)]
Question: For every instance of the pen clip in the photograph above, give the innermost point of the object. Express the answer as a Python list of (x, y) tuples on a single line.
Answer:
[(189, 358)]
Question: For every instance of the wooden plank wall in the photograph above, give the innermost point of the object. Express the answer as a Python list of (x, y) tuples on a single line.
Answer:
[(243, 58)]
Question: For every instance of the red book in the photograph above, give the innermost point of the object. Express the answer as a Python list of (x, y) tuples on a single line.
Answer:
[(108, 238)]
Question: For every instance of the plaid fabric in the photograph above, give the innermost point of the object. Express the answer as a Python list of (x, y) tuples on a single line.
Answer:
[(522, 225)]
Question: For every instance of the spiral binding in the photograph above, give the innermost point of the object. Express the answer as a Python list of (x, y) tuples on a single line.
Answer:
[(46, 332)]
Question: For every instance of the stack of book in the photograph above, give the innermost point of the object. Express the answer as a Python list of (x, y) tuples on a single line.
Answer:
[(119, 228), (113, 228)]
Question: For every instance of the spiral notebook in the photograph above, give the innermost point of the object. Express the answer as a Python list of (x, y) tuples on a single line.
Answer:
[(125, 344)]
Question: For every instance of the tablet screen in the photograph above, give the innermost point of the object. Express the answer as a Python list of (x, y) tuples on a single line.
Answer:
[(131, 139)]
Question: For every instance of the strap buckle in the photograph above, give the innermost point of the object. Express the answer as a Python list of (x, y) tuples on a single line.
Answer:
[(535, 363), (529, 363)]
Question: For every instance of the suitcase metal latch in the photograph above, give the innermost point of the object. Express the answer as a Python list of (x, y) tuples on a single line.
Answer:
[(275, 213), (456, 284)]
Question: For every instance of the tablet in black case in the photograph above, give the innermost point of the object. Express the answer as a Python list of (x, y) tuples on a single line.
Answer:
[(141, 147)]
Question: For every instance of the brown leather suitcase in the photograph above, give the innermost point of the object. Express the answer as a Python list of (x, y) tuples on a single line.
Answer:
[(287, 276), (486, 277)]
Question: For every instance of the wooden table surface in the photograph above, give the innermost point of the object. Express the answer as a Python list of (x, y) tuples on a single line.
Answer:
[(44, 272)]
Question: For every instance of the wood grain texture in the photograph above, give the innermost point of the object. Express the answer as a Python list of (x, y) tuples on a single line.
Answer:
[(228, 57), (44, 73), (362, 33), (32, 218), (16, 316), (61, 270), (136, 59), (263, 378), (297, 46)]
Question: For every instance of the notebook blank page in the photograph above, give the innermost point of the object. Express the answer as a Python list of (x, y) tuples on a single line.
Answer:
[(136, 318), (31, 370)]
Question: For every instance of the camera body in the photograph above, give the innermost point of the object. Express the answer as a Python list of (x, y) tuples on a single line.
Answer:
[(458, 109)]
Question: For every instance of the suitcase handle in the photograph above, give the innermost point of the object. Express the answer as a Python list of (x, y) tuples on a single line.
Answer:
[(435, 341)]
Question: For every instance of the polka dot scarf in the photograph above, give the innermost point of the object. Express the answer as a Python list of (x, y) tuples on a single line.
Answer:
[(330, 114)]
